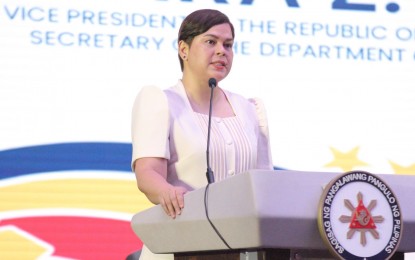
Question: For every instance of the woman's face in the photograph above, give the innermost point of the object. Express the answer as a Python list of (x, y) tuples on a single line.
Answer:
[(210, 54)]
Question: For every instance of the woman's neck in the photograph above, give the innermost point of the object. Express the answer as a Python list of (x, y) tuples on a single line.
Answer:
[(199, 99), (198, 92)]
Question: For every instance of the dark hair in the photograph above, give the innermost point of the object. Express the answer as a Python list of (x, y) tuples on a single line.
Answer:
[(199, 22)]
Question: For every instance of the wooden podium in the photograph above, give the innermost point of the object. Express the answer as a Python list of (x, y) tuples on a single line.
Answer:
[(260, 215)]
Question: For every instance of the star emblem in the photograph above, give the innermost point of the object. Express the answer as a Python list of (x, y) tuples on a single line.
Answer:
[(403, 170), (346, 161)]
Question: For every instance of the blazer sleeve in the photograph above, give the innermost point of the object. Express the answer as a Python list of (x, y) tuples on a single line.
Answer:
[(150, 125), (264, 160)]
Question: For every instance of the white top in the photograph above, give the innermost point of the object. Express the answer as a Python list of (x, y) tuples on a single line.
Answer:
[(164, 125)]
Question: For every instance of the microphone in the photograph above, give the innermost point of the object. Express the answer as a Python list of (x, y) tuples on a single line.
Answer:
[(209, 172)]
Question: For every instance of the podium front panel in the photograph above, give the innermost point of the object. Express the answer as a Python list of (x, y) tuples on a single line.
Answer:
[(258, 209)]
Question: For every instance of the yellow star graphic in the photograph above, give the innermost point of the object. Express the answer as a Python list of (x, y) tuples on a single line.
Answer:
[(346, 161), (403, 170), (12, 240)]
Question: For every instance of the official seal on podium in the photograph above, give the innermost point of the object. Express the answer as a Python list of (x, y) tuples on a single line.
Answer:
[(359, 217)]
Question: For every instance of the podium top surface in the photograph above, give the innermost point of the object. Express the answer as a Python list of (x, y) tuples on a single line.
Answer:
[(258, 209)]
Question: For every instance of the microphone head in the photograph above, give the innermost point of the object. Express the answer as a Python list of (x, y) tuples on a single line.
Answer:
[(212, 82)]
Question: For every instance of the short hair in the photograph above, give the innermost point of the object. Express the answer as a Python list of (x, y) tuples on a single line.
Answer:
[(199, 22)]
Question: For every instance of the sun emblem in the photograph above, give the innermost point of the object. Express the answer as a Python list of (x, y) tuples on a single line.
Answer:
[(361, 219)]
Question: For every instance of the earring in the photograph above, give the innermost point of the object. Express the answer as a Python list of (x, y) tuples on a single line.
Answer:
[(184, 57)]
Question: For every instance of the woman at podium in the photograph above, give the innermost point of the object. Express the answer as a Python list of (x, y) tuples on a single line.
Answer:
[(170, 127)]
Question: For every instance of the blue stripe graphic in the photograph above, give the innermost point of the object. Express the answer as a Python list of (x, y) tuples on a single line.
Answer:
[(65, 156)]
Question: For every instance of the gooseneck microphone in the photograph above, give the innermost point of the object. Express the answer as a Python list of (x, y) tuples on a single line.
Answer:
[(209, 172)]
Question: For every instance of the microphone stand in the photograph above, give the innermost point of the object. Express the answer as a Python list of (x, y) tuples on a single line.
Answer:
[(209, 172)]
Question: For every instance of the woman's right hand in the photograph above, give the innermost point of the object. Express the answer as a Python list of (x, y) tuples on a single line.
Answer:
[(172, 200), (151, 174)]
